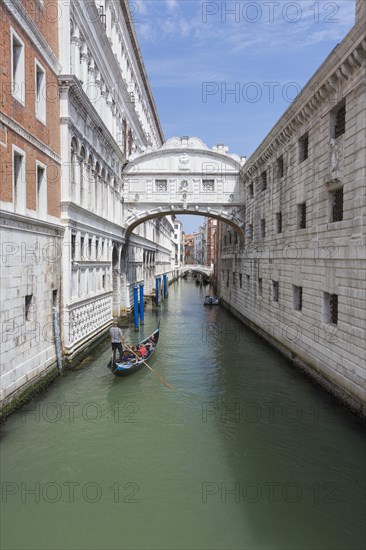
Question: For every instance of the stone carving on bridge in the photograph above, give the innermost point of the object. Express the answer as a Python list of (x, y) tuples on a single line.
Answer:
[(184, 162)]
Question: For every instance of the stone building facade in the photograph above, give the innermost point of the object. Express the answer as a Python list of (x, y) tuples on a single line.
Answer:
[(107, 114), (29, 192), (299, 276)]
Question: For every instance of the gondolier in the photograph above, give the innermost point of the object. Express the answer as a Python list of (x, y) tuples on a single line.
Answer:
[(116, 339)]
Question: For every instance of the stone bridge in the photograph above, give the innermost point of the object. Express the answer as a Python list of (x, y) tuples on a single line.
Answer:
[(203, 269), (184, 176)]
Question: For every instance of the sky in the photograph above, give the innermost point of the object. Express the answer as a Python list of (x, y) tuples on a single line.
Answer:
[(226, 71)]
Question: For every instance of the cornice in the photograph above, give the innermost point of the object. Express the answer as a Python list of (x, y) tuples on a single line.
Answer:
[(18, 129), (343, 62)]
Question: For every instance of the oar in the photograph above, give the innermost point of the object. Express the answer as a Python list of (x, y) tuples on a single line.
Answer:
[(148, 366)]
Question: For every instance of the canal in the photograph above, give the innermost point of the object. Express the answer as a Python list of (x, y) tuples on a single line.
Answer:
[(243, 453)]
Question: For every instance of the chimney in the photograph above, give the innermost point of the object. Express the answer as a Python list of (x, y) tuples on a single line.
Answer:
[(360, 11)]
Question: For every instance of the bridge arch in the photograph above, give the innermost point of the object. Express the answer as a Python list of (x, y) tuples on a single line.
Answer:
[(184, 176)]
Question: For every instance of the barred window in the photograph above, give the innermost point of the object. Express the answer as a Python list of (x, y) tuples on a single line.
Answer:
[(208, 185), (234, 278), (260, 286), (28, 307), (279, 222), (251, 191), (275, 291), (280, 167), (330, 308), (240, 280), (263, 228), (301, 215), (264, 181), (250, 231), (304, 147), (247, 283), (227, 278), (336, 205), (338, 120), (161, 186), (297, 297)]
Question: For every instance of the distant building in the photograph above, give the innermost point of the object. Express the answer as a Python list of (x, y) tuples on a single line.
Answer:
[(178, 243)]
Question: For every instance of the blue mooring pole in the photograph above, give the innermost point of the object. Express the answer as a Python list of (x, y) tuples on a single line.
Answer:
[(136, 306), (165, 285), (142, 304), (157, 291)]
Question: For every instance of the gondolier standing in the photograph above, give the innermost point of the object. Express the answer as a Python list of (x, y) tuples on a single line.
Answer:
[(116, 339)]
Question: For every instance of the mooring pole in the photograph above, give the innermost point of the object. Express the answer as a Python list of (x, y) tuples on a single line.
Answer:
[(142, 304), (165, 285), (136, 307), (157, 291)]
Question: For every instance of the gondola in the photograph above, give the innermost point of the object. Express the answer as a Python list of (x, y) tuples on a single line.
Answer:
[(211, 301), (130, 362)]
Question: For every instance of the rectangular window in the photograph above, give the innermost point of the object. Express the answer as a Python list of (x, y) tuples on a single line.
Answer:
[(28, 307), (234, 279), (275, 291), (279, 222), (297, 297), (263, 229), (55, 298), (304, 147), (19, 184), (240, 280), (250, 231), (247, 283), (330, 308), (73, 246), (208, 185), (103, 282), (301, 215), (90, 249), (336, 205), (40, 92), (260, 286), (82, 250), (161, 186), (41, 190), (280, 167), (227, 278), (251, 191), (17, 67), (264, 180), (338, 120)]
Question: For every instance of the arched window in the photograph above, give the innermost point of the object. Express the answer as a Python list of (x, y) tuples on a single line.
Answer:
[(73, 167), (82, 179)]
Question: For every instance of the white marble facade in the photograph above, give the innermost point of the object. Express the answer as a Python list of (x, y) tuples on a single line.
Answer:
[(107, 114)]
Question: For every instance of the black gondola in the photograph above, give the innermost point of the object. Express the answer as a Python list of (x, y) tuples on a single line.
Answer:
[(131, 362)]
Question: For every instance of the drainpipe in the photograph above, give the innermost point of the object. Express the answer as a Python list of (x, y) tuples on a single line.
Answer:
[(56, 332)]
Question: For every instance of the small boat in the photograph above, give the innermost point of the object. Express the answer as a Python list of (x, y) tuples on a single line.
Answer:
[(133, 362), (211, 301)]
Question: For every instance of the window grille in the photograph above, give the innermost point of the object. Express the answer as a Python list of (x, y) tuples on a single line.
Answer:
[(337, 205), (251, 190), (28, 305), (297, 298), (301, 215), (161, 186), (208, 185), (264, 181), (240, 280), (275, 291), (340, 122), (279, 222), (304, 147), (250, 231), (260, 286), (280, 167), (263, 228)]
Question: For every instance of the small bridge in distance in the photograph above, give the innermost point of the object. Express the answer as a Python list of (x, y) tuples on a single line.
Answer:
[(202, 269)]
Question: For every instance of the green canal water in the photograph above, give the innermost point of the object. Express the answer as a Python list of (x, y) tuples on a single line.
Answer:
[(243, 453)]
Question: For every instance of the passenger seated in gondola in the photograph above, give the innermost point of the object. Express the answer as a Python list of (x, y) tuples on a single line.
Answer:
[(143, 350)]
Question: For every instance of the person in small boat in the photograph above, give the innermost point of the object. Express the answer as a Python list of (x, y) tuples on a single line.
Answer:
[(143, 350), (116, 339)]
